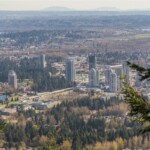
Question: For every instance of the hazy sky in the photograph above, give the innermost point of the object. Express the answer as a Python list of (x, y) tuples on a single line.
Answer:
[(77, 4)]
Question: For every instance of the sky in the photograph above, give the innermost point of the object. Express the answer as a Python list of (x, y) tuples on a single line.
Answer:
[(75, 4)]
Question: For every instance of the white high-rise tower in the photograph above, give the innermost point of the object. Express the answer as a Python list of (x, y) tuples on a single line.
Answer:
[(108, 72), (12, 79), (92, 78), (113, 82), (42, 61)]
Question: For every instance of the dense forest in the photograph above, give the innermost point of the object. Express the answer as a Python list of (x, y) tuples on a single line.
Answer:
[(86, 123), (30, 69)]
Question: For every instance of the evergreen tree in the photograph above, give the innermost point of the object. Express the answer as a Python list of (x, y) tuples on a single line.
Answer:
[(139, 106)]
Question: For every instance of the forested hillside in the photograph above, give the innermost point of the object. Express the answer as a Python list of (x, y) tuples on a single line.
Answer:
[(85, 123)]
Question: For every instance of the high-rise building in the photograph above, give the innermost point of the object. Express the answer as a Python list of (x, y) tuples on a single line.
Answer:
[(108, 73), (112, 77), (113, 82), (92, 78), (93, 72), (97, 76), (119, 72), (126, 71), (12, 79), (42, 61), (70, 70), (92, 61)]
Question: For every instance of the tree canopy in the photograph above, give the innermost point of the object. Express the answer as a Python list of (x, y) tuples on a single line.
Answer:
[(139, 106)]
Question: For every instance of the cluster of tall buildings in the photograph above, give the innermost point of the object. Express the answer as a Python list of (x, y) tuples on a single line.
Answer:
[(93, 71), (114, 74)]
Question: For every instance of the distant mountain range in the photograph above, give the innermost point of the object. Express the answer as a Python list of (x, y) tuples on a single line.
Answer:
[(58, 9), (70, 9)]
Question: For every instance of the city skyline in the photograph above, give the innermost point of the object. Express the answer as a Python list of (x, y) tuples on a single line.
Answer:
[(74, 4)]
